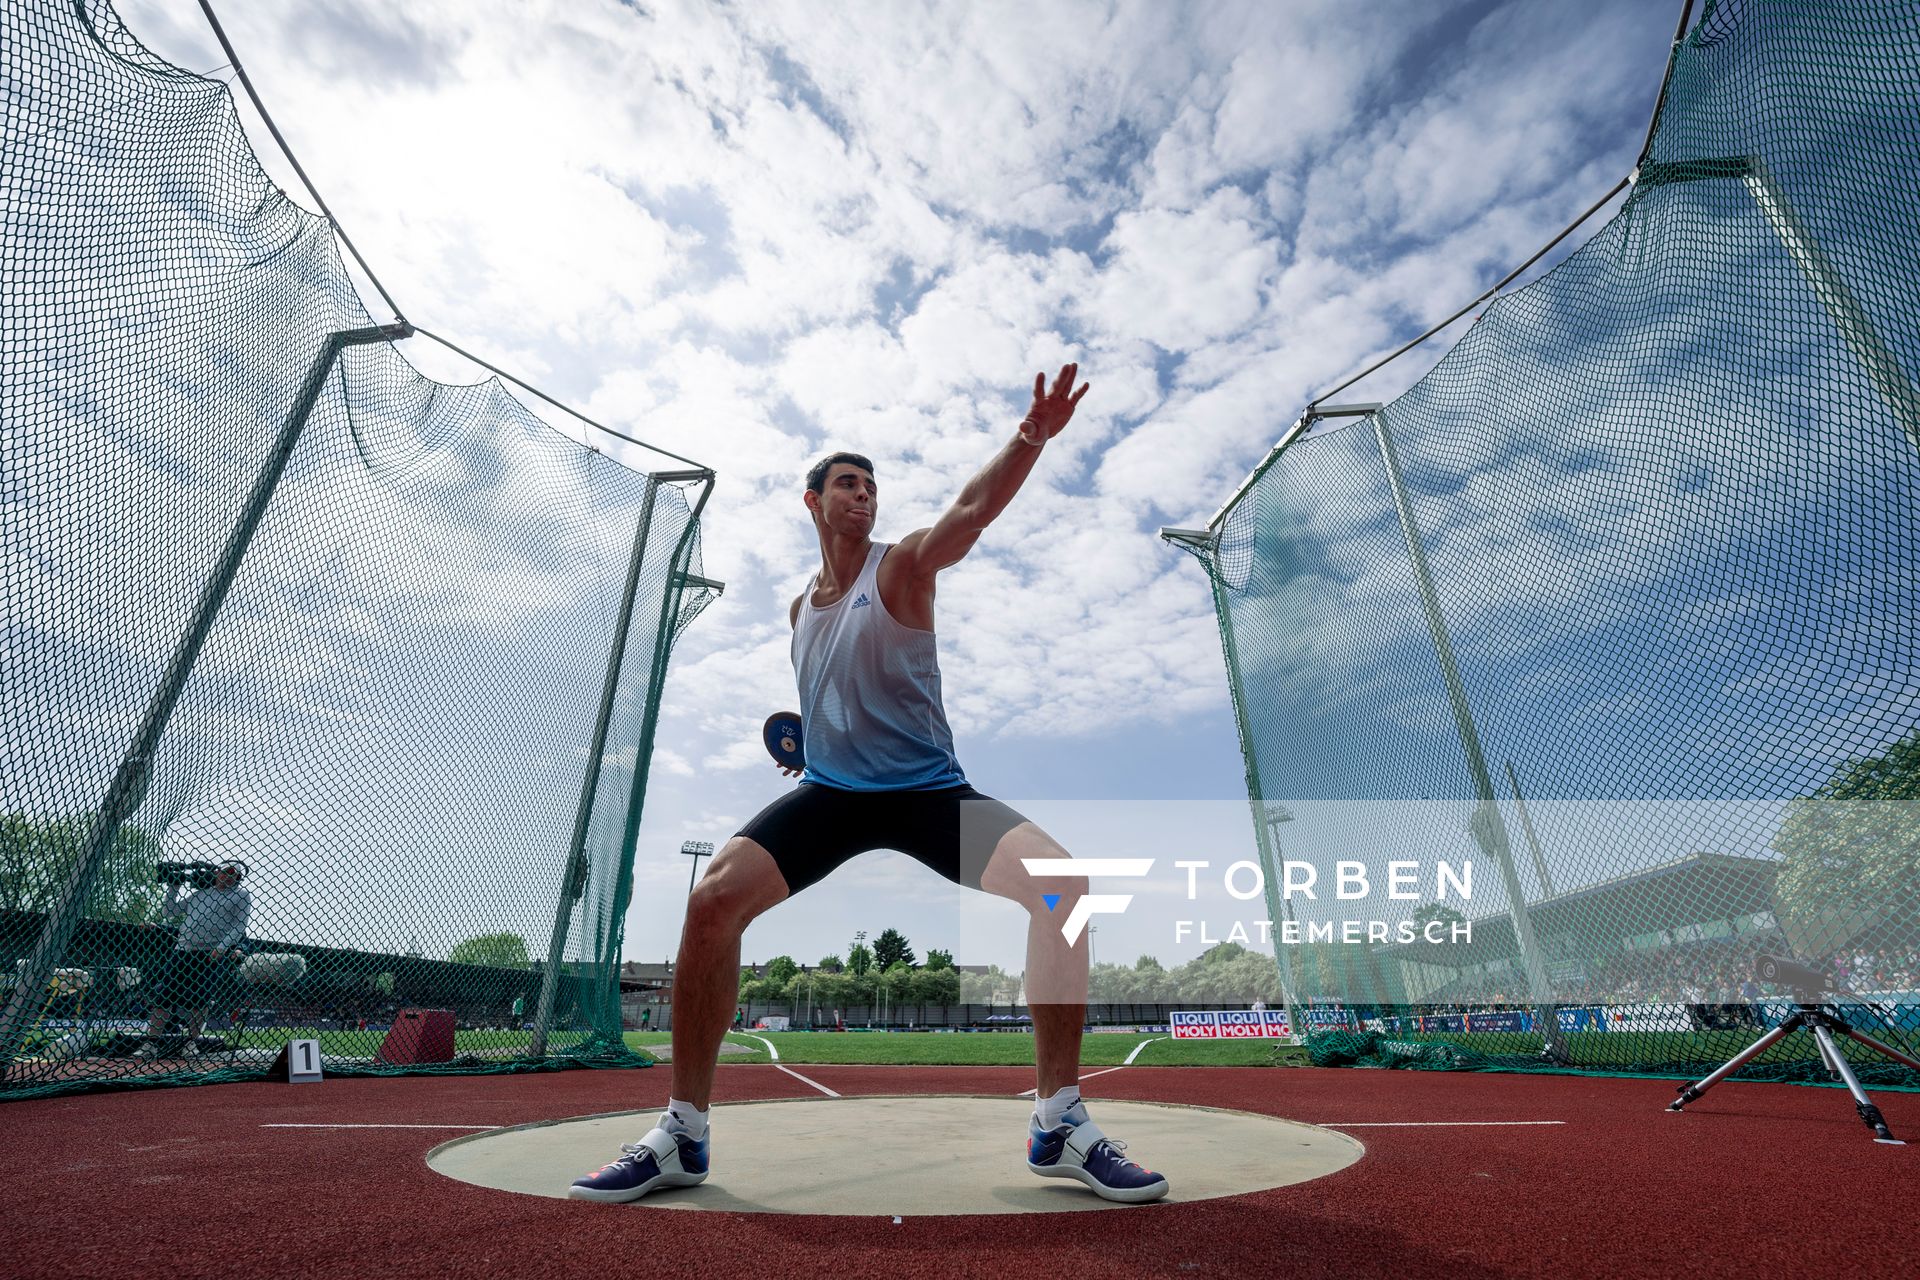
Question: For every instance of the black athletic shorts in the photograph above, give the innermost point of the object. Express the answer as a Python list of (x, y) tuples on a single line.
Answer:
[(814, 829)]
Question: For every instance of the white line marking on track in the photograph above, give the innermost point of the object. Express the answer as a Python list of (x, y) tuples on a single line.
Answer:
[(762, 1039), (1137, 1048), (379, 1126), (776, 1062), (1424, 1124), (815, 1083)]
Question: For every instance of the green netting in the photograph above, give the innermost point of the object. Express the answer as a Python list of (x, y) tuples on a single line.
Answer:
[(1619, 601), (1372, 1049), (272, 596)]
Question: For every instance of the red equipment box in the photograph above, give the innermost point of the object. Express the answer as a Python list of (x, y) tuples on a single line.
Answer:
[(419, 1035)]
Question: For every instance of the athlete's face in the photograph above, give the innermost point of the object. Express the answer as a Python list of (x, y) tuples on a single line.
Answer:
[(848, 500)]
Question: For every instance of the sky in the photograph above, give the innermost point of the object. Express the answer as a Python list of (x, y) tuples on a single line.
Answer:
[(756, 234)]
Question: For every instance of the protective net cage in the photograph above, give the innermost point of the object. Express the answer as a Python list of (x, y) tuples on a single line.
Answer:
[(1618, 606), (328, 689)]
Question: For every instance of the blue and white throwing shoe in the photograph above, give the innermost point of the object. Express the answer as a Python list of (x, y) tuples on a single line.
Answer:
[(1079, 1150), (661, 1159)]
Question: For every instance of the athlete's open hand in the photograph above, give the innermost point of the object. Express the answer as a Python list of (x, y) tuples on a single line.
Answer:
[(1052, 410)]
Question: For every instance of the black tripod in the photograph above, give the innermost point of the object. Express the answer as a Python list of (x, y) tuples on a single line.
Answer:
[(1824, 1023)]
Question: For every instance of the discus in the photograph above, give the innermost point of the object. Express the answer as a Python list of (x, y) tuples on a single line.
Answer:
[(783, 739)]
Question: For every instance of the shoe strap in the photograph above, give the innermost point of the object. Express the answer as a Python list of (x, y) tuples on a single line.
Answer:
[(1084, 1137), (661, 1143)]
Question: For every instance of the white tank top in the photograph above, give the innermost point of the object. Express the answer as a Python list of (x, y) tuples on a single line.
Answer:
[(870, 694)]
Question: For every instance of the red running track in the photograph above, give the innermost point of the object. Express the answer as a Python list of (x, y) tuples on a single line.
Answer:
[(1754, 1179)]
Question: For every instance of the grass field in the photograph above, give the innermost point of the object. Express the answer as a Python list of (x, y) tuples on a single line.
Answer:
[(998, 1048), (1601, 1050)]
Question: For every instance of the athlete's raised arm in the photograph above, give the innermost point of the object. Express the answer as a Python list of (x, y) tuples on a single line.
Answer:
[(927, 551)]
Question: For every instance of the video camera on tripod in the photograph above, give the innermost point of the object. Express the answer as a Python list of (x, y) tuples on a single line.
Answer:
[(1823, 1023), (200, 875), (1786, 972)]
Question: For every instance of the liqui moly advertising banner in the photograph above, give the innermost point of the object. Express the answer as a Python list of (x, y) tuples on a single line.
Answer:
[(1229, 1024), (1193, 1026)]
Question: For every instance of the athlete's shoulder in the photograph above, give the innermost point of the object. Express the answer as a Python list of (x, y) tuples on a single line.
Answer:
[(904, 555), (793, 613)]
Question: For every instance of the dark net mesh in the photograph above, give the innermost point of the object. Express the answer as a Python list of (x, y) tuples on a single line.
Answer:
[(390, 648), (1619, 604)]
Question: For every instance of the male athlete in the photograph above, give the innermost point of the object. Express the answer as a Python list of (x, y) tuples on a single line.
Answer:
[(881, 774)]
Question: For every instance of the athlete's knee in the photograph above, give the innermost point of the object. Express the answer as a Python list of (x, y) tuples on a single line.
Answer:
[(714, 907), (1056, 896), (741, 884), (1039, 894)]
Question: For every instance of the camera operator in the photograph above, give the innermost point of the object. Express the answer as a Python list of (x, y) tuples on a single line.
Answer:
[(213, 921)]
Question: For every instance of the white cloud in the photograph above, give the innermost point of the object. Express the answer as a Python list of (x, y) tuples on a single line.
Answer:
[(1181, 280), (752, 234)]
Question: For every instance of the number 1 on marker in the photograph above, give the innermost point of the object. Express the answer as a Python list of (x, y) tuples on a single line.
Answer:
[(303, 1061)]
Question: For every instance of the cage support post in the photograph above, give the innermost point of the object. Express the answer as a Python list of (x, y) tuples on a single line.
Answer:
[(1489, 828), (678, 580), (573, 877), (1843, 308), (1263, 834), (1278, 906), (1533, 840)]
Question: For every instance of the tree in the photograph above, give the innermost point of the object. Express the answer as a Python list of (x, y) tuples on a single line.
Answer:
[(780, 970), (1851, 851), (500, 950), (992, 987), (938, 959), (1228, 973), (1144, 983), (1109, 982), (1221, 953), (933, 986), (891, 948), (1432, 912), (36, 856), (753, 987), (859, 959), (831, 964), (829, 991)]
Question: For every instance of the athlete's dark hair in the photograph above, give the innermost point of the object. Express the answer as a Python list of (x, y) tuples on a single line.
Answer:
[(817, 473)]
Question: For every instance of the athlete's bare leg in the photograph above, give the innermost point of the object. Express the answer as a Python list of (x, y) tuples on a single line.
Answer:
[(1056, 972), (740, 883)]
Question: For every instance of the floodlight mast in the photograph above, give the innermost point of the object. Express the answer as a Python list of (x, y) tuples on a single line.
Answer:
[(695, 849)]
